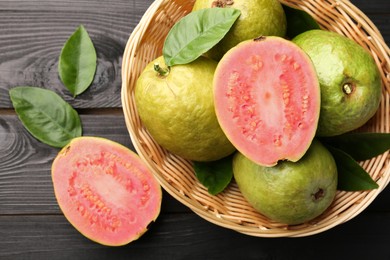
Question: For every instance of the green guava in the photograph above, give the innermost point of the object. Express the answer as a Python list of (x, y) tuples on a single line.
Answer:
[(290, 192), (258, 18), (105, 190), (267, 99), (177, 108), (349, 79)]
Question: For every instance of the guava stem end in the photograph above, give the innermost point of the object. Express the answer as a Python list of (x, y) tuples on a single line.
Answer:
[(320, 193), (163, 72), (348, 88), (222, 3)]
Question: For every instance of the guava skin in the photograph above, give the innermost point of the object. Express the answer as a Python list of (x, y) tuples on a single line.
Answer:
[(289, 193), (258, 17), (350, 81), (178, 110)]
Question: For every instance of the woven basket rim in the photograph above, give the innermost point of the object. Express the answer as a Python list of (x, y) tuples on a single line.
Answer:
[(357, 201)]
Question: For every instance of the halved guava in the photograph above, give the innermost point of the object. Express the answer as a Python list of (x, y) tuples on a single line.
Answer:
[(105, 190), (267, 99)]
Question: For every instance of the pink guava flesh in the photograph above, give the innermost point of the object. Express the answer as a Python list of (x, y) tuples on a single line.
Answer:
[(267, 99), (105, 190)]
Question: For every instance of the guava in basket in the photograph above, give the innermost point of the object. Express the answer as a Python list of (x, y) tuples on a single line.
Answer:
[(229, 208), (349, 78), (177, 108), (258, 17), (290, 192)]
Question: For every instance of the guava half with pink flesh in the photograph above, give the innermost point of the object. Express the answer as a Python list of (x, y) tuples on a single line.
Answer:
[(267, 99), (105, 191)]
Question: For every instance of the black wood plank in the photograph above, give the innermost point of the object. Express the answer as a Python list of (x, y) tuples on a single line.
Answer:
[(373, 6), (32, 34), (187, 236), (382, 22), (25, 164), (31, 224)]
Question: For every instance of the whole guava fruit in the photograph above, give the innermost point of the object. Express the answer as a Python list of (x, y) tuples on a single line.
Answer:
[(258, 18), (177, 108), (349, 78), (290, 192)]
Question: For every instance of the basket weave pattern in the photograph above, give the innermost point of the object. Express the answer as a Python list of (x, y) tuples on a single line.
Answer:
[(229, 209)]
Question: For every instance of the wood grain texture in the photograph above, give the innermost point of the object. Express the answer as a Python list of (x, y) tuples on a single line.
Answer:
[(379, 13), (32, 34), (25, 164), (373, 7), (187, 236), (32, 226), (382, 22)]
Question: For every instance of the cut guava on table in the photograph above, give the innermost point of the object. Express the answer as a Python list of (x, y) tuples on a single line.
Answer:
[(105, 191), (267, 99)]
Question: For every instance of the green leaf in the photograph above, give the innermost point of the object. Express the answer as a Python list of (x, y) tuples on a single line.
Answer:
[(216, 175), (361, 146), (351, 176), (46, 115), (77, 62), (298, 21), (196, 33)]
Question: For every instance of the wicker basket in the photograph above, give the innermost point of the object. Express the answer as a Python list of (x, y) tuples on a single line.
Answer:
[(229, 209)]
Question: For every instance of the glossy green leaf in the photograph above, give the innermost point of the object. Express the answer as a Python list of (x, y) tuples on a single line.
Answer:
[(351, 176), (196, 33), (361, 146), (298, 21), (48, 117), (77, 63), (216, 175)]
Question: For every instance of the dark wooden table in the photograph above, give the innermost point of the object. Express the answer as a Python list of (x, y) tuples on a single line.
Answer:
[(31, 223)]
